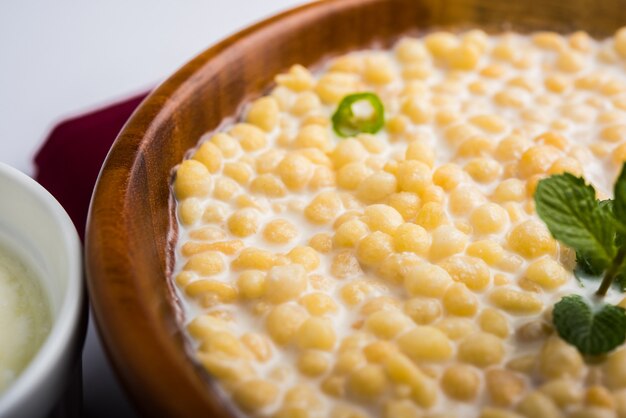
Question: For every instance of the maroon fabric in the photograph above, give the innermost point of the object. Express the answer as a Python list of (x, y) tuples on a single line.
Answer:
[(69, 161)]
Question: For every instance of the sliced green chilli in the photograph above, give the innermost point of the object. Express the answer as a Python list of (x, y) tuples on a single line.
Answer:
[(346, 123)]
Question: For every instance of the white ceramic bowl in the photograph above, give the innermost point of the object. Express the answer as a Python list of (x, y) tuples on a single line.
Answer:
[(32, 219)]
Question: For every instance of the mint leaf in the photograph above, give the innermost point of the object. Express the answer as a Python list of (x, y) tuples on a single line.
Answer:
[(592, 333), (619, 190), (621, 279), (607, 206), (580, 273), (585, 265), (620, 275), (569, 208)]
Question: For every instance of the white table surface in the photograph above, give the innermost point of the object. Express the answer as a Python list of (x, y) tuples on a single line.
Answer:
[(63, 57)]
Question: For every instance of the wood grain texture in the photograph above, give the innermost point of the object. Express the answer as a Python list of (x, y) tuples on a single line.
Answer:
[(130, 216)]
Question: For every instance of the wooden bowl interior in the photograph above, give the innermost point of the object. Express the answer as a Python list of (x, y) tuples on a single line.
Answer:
[(129, 240)]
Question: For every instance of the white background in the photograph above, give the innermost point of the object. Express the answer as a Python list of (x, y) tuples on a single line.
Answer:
[(61, 58)]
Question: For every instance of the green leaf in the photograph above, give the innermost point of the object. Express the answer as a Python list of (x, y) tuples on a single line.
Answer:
[(592, 333), (586, 266), (606, 204), (580, 273), (620, 275), (608, 207), (569, 208), (621, 279), (619, 190), (346, 123)]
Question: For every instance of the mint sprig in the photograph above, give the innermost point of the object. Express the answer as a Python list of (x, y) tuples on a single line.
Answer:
[(596, 230), (593, 333), (618, 206), (571, 212)]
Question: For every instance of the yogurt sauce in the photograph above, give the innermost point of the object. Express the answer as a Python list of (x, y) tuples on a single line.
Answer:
[(25, 317)]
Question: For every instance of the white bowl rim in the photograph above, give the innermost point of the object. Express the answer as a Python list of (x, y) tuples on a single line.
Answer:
[(67, 319)]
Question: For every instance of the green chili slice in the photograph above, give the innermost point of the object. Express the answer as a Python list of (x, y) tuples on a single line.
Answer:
[(346, 123)]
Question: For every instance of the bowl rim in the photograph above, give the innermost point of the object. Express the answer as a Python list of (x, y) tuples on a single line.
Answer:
[(67, 321)]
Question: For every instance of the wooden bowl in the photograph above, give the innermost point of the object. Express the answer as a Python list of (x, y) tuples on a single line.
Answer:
[(129, 238)]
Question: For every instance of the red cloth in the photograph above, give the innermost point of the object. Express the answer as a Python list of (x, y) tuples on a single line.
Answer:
[(69, 161)]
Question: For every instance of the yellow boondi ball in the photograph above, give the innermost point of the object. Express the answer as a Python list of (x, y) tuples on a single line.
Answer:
[(264, 113), (374, 248), (547, 273), (192, 179), (620, 42), (531, 239), (426, 343), (209, 155), (489, 218), (244, 222)]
